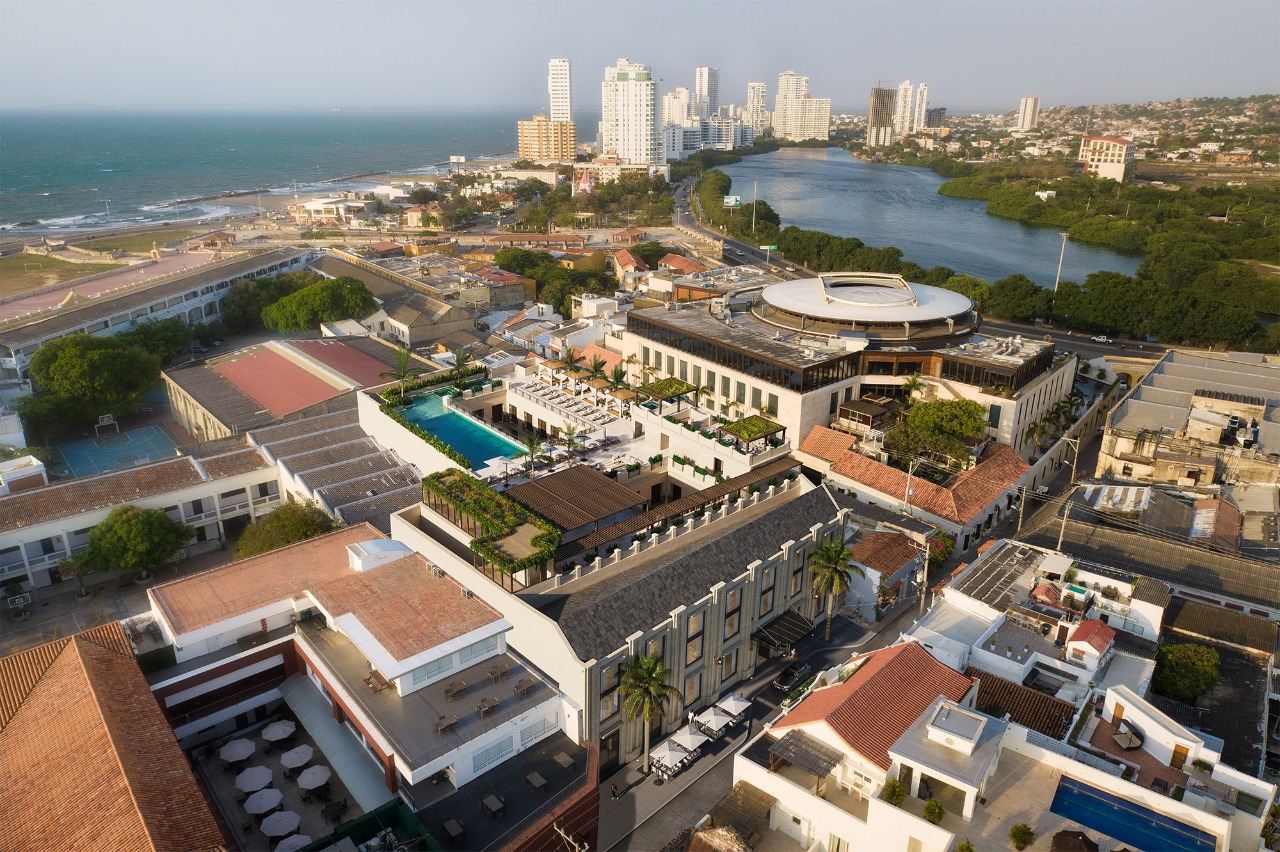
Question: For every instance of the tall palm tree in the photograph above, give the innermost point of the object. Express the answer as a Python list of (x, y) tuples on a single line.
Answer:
[(597, 366), (402, 372), (618, 376), (569, 436), (572, 359), (911, 387), (645, 693), (532, 449), (461, 360), (832, 567)]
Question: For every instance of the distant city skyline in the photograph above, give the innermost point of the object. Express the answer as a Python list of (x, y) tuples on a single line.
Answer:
[(980, 56)]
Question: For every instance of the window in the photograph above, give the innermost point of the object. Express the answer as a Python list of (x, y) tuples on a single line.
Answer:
[(835, 402), (740, 393), (609, 705), (756, 399), (732, 619), (693, 648), (724, 386), (485, 758), (697, 375), (479, 649), (692, 688), (772, 408), (538, 730), (431, 670), (729, 665), (711, 380), (684, 370), (655, 647), (797, 573), (644, 354), (993, 417), (671, 365)]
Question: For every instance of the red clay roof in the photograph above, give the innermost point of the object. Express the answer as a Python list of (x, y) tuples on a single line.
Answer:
[(623, 259), (1048, 591), (274, 382), (883, 698), (595, 350), (363, 369), (885, 551), (681, 264), (968, 495), (1026, 706), (87, 757), (827, 444), (1097, 634)]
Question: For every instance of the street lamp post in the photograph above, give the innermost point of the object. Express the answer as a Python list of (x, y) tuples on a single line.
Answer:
[(1061, 254)]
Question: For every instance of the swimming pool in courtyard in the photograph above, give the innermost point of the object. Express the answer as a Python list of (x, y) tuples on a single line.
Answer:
[(474, 440)]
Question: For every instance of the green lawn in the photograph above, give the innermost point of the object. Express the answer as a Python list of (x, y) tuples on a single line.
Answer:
[(22, 272), (139, 243)]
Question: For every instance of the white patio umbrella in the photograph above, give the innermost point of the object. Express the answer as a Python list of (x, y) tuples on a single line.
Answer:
[(263, 800), (313, 776), (293, 758), (253, 779), (667, 755), (292, 843), (280, 823), (715, 718), (734, 705), (237, 750), (688, 739), (278, 731)]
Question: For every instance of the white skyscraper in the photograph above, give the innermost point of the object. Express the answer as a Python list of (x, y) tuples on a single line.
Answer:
[(757, 114), (922, 105), (560, 88), (902, 110), (1029, 114), (796, 115), (629, 124), (675, 106), (706, 91)]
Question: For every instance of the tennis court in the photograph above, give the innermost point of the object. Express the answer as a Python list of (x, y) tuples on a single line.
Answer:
[(113, 452)]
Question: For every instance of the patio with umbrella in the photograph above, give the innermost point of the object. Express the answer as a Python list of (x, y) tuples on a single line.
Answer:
[(714, 719), (688, 739), (278, 731), (253, 779), (264, 800), (734, 705), (292, 843), (280, 823), (313, 776), (296, 757), (1068, 840), (237, 750)]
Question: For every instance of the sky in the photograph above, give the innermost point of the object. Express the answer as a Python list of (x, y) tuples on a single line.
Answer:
[(976, 56)]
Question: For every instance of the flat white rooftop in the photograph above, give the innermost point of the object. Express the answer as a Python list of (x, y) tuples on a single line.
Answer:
[(866, 297)]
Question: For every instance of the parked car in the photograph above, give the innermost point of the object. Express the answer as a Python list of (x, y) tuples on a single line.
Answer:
[(1101, 338), (792, 676)]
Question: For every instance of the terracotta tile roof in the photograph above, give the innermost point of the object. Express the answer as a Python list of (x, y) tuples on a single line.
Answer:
[(1026, 706), (623, 259), (680, 263), (827, 444), (885, 551), (883, 698), (67, 499), (404, 605), (1048, 592), (595, 350), (287, 572), (231, 464), (1096, 633), (88, 759), (967, 495)]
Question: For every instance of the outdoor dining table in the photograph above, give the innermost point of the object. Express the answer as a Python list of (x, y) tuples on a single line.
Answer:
[(296, 757), (293, 842), (486, 704), (253, 779), (524, 686), (455, 689), (565, 761), (454, 829), (445, 724), (264, 800), (536, 782), (314, 776), (237, 750), (278, 731), (498, 672), (280, 823), (333, 811), (495, 806)]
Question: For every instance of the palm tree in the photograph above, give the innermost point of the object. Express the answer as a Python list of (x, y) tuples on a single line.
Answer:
[(597, 366), (532, 449), (618, 376), (645, 693), (572, 359), (911, 387), (569, 436), (402, 372), (832, 566), (461, 358)]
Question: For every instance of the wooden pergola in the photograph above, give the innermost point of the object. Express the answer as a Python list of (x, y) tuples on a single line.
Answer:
[(664, 390), (751, 430)]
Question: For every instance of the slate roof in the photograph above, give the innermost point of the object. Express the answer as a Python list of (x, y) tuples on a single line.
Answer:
[(574, 497), (87, 756), (885, 551), (1152, 591), (1222, 625), (598, 619), (879, 701), (309, 426), (962, 500), (231, 464), (1028, 707)]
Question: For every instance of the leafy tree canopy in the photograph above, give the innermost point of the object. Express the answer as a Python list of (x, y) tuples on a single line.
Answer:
[(135, 539), (343, 297), (242, 310), (1185, 672), (290, 523), (651, 252), (164, 339), (80, 377)]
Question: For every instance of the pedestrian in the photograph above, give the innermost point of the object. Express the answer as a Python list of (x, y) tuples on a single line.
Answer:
[(613, 791)]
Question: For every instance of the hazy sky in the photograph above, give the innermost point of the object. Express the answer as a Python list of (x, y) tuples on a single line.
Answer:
[(975, 55)]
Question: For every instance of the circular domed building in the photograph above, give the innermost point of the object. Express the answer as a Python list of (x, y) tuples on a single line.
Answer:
[(886, 309)]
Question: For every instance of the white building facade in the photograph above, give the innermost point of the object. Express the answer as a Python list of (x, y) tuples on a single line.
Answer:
[(706, 91), (560, 89), (629, 120), (1028, 114)]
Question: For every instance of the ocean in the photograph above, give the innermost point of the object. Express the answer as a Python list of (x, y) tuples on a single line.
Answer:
[(63, 170)]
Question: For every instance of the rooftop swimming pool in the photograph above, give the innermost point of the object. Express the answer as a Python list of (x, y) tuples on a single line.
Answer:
[(1130, 823), (477, 442)]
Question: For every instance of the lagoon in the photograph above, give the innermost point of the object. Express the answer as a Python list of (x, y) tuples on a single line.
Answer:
[(827, 189)]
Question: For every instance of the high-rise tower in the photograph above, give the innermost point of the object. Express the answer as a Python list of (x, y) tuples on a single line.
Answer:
[(757, 114), (560, 88), (880, 118), (1029, 114), (902, 110), (922, 101), (628, 113), (706, 91)]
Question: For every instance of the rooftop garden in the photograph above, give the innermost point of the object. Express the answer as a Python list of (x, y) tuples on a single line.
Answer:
[(512, 539), (665, 389), (752, 428)]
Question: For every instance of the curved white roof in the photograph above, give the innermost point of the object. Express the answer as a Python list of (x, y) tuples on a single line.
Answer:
[(865, 297)]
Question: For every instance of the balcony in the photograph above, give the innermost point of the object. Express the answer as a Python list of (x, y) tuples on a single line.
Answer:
[(200, 516)]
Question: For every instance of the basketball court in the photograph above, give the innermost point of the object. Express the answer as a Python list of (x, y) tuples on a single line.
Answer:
[(115, 448)]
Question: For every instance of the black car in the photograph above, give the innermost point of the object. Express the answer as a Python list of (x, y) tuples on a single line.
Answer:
[(792, 676)]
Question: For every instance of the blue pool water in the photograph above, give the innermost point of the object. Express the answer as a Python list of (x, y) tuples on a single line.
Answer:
[(459, 431), (1131, 824)]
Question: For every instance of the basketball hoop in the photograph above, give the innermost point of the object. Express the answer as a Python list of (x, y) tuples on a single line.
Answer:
[(107, 423)]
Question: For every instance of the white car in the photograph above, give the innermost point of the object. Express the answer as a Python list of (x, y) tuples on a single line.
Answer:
[(791, 269), (1101, 338)]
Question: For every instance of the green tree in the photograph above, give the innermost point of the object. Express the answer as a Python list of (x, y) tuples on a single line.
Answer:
[(135, 539), (832, 566), (596, 367), (245, 301), (934, 811), (403, 372), (893, 792), (81, 377), (289, 523), (461, 363), (325, 301), (645, 693), (910, 388), (1185, 671), (1022, 835), (165, 339), (532, 450), (618, 376), (651, 252), (572, 359), (9, 453)]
